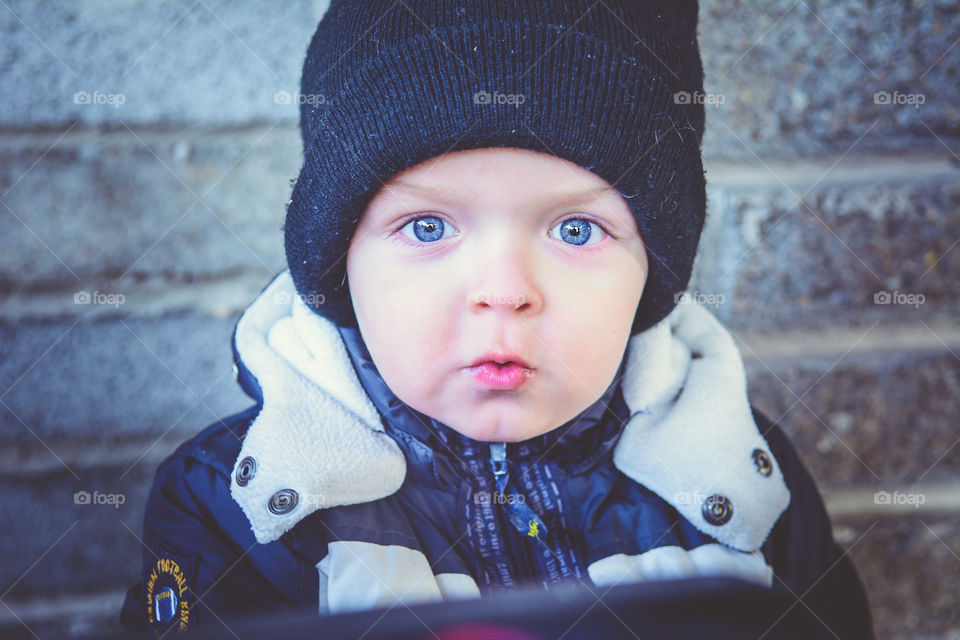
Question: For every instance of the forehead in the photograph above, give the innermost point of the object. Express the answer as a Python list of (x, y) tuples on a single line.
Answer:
[(501, 178)]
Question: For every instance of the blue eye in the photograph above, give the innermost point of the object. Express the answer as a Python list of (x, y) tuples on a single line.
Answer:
[(578, 231), (426, 229)]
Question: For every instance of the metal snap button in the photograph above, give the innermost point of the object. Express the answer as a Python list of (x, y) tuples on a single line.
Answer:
[(717, 510), (246, 470), (283, 502), (761, 459)]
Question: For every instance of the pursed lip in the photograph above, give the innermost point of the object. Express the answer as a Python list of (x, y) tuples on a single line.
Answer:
[(500, 358)]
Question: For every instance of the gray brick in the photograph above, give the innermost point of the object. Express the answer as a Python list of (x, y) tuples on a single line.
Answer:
[(923, 500), (116, 382), (873, 420), (126, 205), (781, 264), (797, 77), (133, 298), (800, 77), (87, 546), (910, 570), (212, 62), (85, 615)]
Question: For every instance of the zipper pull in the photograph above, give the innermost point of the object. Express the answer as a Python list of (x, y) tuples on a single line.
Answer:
[(498, 460), (521, 516)]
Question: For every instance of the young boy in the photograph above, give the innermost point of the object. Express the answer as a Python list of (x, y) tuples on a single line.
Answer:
[(475, 374)]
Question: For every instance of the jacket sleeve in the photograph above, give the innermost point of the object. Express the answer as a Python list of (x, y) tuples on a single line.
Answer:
[(201, 563), (807, 562)]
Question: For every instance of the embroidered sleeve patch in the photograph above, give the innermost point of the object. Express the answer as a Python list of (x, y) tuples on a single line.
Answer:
[(168, 589)]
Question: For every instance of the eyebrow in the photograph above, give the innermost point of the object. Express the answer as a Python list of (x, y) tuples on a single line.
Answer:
[(571, 197)]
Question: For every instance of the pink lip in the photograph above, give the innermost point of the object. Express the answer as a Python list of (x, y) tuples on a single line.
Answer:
[(503, 357), (506, 377)]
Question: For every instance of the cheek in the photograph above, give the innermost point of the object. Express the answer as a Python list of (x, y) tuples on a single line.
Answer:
[(598, 312), (401, 298), (602, 296), (402, 317)]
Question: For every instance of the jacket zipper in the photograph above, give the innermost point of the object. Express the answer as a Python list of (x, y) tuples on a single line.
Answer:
[(520, 521)]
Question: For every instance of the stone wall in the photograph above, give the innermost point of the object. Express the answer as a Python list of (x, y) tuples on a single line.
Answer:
[(146, 151)]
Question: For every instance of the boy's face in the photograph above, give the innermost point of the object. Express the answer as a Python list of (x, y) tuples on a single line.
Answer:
[(505, 251)]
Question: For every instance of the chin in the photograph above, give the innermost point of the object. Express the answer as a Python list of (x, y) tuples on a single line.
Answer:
[(499, 433)]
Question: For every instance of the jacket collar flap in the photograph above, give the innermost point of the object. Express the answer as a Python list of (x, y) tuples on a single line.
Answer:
[(318, 441)]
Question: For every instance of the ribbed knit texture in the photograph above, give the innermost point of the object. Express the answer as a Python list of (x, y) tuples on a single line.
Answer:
[(398, 84)]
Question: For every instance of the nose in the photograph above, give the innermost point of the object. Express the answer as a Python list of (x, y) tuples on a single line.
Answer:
[(506, 279)]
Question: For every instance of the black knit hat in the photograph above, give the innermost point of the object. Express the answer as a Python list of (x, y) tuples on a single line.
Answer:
[(612, 86)]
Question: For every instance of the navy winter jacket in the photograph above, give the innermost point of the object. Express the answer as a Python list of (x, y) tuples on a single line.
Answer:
[(331, 495)]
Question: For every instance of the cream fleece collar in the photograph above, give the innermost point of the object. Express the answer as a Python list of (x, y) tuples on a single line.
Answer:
[(318, 441)]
